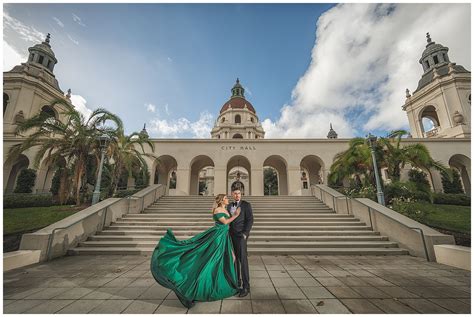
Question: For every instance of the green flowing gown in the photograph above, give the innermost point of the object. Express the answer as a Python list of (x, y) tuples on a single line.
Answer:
[(198, 269)]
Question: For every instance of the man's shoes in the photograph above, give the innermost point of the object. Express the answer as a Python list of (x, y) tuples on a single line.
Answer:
[(244, 292)]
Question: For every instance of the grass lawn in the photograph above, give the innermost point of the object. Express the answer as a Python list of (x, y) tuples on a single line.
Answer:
[(23, 219), (449, 217)]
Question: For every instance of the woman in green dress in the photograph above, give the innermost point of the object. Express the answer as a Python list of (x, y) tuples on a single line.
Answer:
[(202, 267)]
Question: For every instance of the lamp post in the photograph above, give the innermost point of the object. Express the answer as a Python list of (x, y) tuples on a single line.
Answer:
[(372, 139), (103, 142)]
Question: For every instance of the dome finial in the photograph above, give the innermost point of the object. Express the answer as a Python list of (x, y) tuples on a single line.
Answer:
[(48, 38), (428, 37), (237, 81)]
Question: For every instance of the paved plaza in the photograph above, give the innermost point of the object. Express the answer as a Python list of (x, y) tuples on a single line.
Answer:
[(279, 284)]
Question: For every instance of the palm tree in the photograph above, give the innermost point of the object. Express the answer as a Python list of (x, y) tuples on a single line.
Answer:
[(125, 152), (356, 162), (72, 140)]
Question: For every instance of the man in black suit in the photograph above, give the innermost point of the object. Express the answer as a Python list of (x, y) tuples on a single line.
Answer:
[(239, 232)]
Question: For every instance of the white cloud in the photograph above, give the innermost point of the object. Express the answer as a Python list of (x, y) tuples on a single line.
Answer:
[(365, 56), (27, 33), (59, 22), (182, 127), (77, 20), (150, 107), (11, 57), (79, 103), (73, 40)]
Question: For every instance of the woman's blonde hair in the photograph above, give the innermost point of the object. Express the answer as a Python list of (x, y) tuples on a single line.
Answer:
[(218, 201)]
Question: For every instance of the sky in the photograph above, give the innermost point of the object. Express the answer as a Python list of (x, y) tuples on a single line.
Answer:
[(171, 66)]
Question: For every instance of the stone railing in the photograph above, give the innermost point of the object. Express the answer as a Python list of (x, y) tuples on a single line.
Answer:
[(417, 238), (54, 241)]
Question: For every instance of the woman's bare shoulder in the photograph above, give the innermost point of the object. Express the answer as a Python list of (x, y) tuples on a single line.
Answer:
[(219, 209)]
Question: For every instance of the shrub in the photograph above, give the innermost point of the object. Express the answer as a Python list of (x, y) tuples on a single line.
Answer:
[(452, 199), (125, 193), (420, 179), (409, 209), (407, 191), (25, 181), (454, 186), (27, 200)]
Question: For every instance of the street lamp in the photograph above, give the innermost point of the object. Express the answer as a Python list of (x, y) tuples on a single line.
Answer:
[(103, 142), (372, 139)]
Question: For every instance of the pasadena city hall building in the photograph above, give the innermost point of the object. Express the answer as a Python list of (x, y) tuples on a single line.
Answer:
[(237, 152)]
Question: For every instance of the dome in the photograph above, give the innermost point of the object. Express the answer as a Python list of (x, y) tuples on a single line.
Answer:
[(237, 103), (43, 48)]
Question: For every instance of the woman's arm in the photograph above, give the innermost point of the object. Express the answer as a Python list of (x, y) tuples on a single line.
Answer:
[(227, 221)]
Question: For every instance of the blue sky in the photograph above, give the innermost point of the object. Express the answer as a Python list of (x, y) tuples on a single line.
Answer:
[(172, 65)]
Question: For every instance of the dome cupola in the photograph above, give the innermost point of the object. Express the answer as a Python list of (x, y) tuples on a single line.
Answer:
[(42, 55), (433, 55)]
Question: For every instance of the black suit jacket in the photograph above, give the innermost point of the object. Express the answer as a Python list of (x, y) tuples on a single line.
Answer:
[(243, 223)]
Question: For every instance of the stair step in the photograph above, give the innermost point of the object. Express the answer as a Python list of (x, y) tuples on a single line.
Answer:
[(257, 215), (134, 231), (209, 222), (209, 219), (254, 228), (252, 251), (253, 238)]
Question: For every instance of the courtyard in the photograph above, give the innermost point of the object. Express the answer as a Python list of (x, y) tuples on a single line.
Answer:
[(279, 284)]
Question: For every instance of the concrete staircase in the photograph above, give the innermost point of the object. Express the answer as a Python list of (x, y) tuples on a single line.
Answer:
[(283, 225)]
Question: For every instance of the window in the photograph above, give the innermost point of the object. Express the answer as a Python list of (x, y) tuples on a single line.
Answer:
[(237, 136), (40, 60), (223, 120), (49, 64), (427, 64), (435, 58), (444, 57), (305, 185), (251, 119), (237, 119)]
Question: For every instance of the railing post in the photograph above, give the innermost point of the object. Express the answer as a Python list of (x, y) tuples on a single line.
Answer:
[(105, 217), (370, 217)]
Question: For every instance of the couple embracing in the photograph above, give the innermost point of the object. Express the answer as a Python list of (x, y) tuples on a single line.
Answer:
[(213, 264)]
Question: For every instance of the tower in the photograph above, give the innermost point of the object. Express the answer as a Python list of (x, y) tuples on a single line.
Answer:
[(237, 118), (440, 107)]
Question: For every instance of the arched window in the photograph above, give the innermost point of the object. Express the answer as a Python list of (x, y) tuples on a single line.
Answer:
[(237, 119), (252, 120), (6, 99), (223, 119), (48, 111), (237, 136)]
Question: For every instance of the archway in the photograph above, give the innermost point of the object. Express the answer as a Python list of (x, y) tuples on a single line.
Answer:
[(278, 163), (462, 164), (237, 136), (429, 121), (202, 176), (22, 162), (46, 173), (6, 100), (238, 174), (165, 171), (314, 167)]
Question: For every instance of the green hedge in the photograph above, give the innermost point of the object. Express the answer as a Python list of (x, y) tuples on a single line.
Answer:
[(27, 200), (452, 199), (405, 190), (125, 193)]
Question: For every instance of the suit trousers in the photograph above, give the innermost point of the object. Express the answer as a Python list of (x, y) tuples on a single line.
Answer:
[(241, 261)]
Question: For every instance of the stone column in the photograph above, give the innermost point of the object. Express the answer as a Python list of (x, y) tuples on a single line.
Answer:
[(436, 180), (256, 182), (183, 177), (220, 184), (294, 180)]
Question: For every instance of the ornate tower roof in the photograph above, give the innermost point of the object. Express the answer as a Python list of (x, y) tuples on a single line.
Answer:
[(42, 55), (237, 100), (435, 62)]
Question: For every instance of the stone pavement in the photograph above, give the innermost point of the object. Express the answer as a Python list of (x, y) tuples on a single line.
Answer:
[(280, 284)]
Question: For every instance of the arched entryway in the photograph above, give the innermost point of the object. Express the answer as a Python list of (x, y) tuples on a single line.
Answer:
[(21, 163), (165, 171), (313, 168), (429, 121), (278, 164), (238, 174), (462, 164), (202, 176)]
